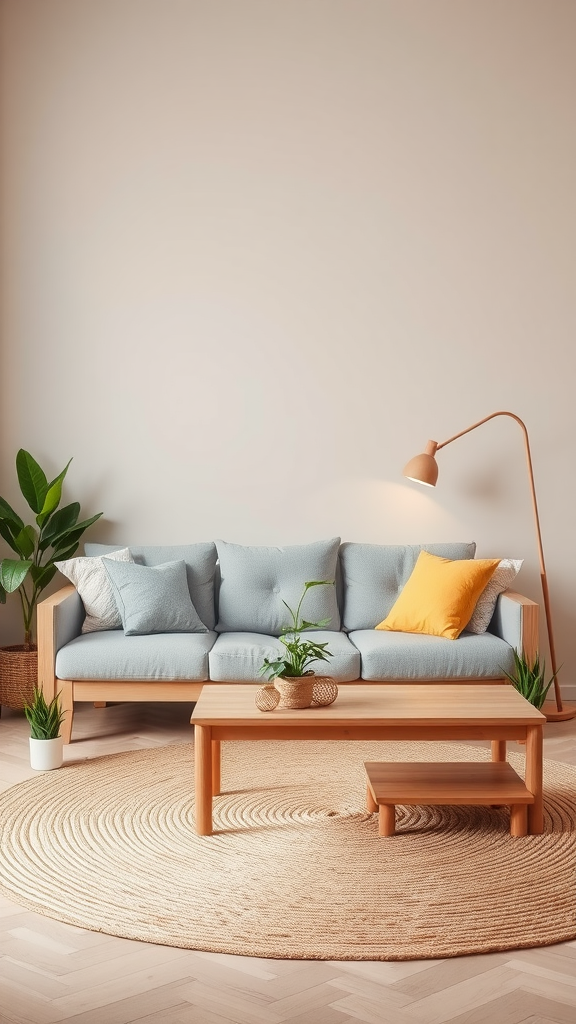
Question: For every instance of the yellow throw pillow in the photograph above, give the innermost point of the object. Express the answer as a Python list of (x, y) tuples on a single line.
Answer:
[(440, 595)]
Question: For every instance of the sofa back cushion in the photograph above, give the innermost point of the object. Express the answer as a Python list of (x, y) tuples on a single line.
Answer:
[(200, 562), (375, 574), (254, 582)]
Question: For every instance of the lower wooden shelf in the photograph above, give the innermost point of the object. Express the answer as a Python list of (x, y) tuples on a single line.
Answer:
[(483, 783)]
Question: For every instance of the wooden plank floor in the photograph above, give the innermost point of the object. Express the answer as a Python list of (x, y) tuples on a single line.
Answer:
[(51, 972)]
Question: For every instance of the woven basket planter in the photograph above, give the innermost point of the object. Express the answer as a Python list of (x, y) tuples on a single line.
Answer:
[(18, 675), (295, 691), (305, 691)]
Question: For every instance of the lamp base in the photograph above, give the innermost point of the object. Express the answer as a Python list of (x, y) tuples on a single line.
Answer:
[(553, 715)]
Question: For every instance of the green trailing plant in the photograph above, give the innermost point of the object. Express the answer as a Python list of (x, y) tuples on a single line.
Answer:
[(299, 653), (54, 537), (529, 679), (44, 718)]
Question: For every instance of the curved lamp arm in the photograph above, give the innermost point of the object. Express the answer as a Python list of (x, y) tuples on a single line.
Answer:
[(423, 469)]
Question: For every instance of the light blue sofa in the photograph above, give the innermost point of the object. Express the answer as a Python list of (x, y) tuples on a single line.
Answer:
[(238, 592)]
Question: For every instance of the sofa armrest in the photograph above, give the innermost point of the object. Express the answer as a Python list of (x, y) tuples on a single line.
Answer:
[(515, 620), (60, 619)]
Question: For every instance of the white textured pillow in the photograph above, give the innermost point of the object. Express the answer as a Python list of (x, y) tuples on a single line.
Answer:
[(502, 577), (92, 583)]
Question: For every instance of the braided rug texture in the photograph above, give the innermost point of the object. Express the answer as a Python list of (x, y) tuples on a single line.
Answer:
[(295, 868)]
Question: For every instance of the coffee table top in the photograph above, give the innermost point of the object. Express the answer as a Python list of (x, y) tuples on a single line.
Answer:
[(375, 704)]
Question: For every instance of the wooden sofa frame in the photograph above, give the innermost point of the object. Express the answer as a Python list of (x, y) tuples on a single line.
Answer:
[(100, 691)]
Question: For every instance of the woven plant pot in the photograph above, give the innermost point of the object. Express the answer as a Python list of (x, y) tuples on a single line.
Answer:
[(18, 675), (295, 691)]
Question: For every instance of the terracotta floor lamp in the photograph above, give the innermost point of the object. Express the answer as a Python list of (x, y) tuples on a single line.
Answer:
[(424, 470)]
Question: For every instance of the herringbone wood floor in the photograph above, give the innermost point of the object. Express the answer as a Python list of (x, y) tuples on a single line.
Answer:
[(51, 972)]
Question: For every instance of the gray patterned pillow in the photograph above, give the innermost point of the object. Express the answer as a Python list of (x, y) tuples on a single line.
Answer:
[(200, 561), (153, 599), (503, 575)]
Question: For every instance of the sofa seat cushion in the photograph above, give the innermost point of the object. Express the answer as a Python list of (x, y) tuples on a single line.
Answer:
[(238, 657), (111, 655), (388, 656)]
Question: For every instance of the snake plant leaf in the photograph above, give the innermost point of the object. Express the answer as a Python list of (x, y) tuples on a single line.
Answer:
[(32, 480), (44, 718), (61, 521), (529, 679), (25, 541), (13, 572), (8, 513)]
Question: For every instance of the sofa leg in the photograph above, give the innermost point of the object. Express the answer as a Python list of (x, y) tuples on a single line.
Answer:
[(67, 702)]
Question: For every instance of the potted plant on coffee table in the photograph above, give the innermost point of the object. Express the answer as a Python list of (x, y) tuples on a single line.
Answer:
[(54, 536), (46, 743), (291, 672)]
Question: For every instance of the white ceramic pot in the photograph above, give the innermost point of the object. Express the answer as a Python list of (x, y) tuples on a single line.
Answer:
[(46, 754)]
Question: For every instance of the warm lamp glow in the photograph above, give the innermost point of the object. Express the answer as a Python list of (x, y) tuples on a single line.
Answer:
[(416, 480)]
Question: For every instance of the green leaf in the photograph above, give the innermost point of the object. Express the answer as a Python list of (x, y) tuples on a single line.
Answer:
[(61, 521), (2, 595), (44, 719), (529, 679), (272, 668), (42, 574), (53, 495), (26, 541), (13, 573), (32, 480), (72, 535), (61, 556), (9, 531), (300, 653), (7, 512)]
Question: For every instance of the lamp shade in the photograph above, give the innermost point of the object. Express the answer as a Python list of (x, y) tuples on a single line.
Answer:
[(423, 468)]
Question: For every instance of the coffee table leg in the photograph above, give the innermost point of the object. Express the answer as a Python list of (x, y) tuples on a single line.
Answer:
[(518, 820), (371, 804), (533, 778), (498, 750), (203, 779), (216, 785), (387, 820)]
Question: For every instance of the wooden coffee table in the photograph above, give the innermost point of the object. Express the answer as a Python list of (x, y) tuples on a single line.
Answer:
[(404, 711)]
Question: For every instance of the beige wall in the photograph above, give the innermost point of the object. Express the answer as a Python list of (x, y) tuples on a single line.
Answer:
[(256, 253)]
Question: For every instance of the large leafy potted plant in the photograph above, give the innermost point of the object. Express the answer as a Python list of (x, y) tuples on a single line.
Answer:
[(54, 536), (291, 672), (46, 743)]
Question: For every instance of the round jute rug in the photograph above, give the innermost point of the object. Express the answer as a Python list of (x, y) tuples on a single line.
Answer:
[(295, 868)]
